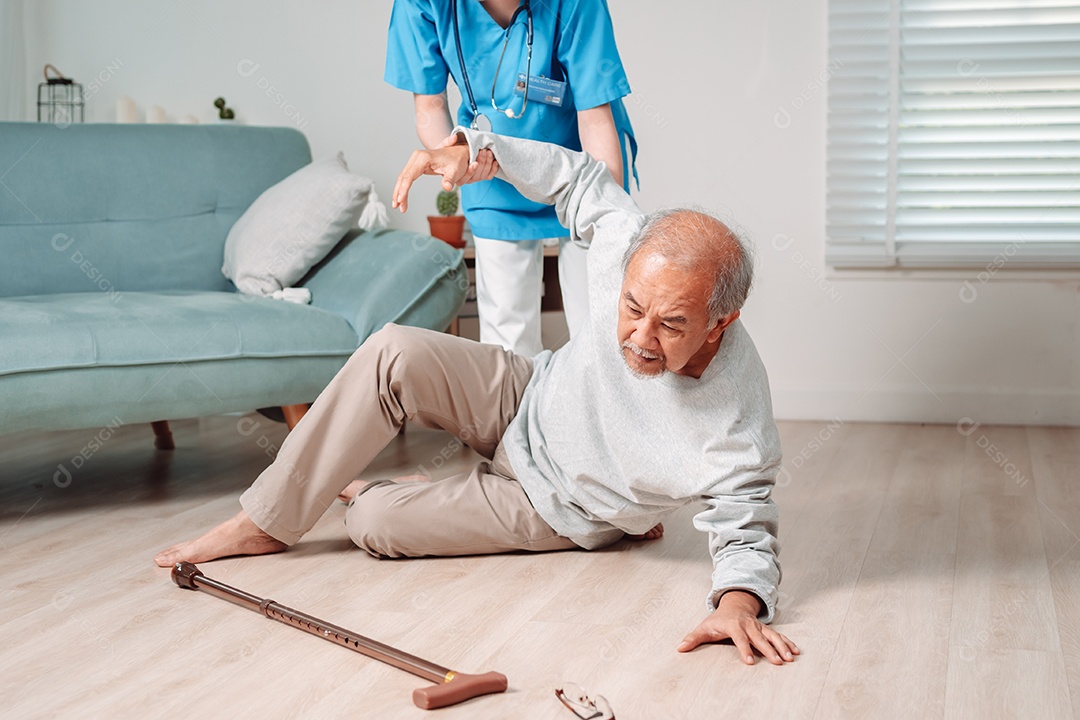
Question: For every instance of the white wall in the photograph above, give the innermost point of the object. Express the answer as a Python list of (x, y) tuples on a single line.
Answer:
[(709, 80), (14, 78)]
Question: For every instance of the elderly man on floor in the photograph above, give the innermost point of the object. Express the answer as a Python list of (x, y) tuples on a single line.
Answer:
[(660, 402)]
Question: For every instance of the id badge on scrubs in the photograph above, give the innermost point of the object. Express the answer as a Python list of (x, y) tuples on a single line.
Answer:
[(542, 89)]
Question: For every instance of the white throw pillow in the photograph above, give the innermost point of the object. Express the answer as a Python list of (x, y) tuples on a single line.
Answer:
[(294, 224)]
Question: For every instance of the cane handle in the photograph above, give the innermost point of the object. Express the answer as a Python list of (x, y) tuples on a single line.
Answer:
[(459, 688)]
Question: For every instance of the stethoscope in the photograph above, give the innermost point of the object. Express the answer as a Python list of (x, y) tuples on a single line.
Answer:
[(509, 112)]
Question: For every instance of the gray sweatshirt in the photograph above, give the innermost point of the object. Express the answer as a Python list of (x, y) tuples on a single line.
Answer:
[(600, 451)]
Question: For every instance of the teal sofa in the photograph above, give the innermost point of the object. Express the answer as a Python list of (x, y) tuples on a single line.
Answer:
[(113, 306)]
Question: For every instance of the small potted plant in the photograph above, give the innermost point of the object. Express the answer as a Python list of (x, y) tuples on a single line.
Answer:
[(447, 225), (224, 113)]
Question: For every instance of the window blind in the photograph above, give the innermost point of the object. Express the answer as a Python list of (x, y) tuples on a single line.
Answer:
[(953, 133)]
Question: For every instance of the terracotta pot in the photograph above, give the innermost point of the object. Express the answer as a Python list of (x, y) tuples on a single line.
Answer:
[(448, 229)]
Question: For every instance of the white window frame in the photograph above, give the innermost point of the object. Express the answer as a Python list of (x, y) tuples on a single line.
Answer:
[(907, 80)]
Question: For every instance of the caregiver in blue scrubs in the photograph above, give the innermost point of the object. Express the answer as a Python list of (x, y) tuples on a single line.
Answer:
[(568, 93)]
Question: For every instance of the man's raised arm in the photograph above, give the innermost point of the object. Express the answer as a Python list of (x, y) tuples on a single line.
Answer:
[(581, 189)]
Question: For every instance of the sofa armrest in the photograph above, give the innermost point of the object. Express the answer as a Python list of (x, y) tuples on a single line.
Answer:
[(380, 276)]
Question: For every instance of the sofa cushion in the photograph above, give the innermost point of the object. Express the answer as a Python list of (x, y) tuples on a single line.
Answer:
[(130, 207), (403, 277), (293, 225), (79, 330), (101, 397)]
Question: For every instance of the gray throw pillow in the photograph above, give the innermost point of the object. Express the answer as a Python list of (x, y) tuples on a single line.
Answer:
[(294, 224)]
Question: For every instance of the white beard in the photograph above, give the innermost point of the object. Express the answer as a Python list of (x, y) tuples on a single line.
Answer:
[(632, 347)]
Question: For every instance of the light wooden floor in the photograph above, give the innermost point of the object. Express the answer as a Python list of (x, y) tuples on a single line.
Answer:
[(925, 576)]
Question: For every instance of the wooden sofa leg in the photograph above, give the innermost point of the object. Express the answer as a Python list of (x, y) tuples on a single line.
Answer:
[(293, 413), (163, 439)]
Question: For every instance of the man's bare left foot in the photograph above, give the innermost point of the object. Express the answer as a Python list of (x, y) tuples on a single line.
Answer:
[(356, 486), (654, 534), (236, 536)]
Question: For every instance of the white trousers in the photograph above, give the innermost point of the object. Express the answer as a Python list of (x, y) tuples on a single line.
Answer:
[(509, 276)]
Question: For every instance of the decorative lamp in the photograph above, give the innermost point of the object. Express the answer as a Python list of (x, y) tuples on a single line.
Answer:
[(60, 99)]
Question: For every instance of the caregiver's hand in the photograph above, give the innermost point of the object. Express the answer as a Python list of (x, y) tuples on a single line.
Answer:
[(452, 163), (484, 168)]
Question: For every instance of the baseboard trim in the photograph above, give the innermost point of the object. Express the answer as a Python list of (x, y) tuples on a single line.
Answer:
[(993, 407)]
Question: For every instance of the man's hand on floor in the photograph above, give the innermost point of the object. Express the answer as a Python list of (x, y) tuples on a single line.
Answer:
[(451, 162), (735, 617)]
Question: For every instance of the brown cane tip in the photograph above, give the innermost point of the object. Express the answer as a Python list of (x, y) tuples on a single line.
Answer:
[(184, 573)]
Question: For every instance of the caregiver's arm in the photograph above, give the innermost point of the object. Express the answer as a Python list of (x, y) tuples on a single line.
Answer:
[(433, 121), (581, 189), (434, 126), (599, 138)]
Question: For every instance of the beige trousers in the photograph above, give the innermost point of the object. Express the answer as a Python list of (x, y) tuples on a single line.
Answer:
[(435, 380)]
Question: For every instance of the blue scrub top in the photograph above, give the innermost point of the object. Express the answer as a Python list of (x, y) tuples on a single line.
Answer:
[(573, 41)]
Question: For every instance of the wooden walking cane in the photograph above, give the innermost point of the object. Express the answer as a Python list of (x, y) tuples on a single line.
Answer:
[(452, 688)]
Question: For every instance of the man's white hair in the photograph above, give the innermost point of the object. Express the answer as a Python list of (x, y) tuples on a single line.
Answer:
[(697, 240)]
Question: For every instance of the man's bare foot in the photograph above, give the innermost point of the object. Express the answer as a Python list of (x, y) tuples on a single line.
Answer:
[(236, 536), (654, 534), (356, 486)]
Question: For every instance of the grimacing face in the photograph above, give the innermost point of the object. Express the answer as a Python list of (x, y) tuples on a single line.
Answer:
[(663, 318)]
